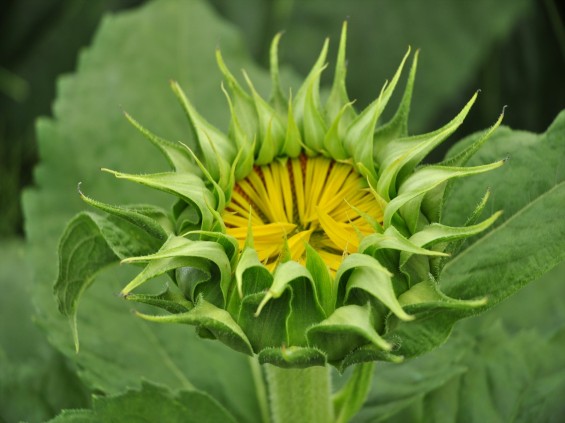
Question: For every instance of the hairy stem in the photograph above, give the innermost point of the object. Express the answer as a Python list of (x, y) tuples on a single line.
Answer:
[(300, 395), (260, 389)]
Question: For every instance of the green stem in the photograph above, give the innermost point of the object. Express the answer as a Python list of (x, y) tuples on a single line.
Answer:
[(300, 395), (260, 389), (349, 400)]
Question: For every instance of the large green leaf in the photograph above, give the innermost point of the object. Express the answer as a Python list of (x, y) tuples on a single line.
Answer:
[(35, 380), (128, 67), (530, 236), (400, 385), (535, 166), (151, 404), (529, 241), (32, 32), (528, 364), (537, 306), (533, 314), (494, 377)]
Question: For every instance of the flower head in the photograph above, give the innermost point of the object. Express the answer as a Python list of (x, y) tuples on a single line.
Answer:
[(309, 230), (291, 203)]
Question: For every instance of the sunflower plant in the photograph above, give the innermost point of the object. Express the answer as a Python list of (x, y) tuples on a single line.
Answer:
[(309, 236)]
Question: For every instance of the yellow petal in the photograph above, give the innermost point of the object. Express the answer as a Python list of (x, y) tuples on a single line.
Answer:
[(273, 192), (297, 244), (343, 235), (272, 232), (333, 260), (316, 174), (298, 188)]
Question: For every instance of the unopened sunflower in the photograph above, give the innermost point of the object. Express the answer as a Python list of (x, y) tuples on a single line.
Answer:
[(309, 230)]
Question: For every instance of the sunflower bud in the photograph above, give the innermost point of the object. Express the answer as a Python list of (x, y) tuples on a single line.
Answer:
[(309, 230)]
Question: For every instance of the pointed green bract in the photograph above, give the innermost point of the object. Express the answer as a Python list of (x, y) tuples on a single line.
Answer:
[(140, 216), (338, 97), (359, 136), (170, 300), (348, 327), (216, 320), (424, 180), (215, 146), (376, 282), (174, 152), (321, 278), (292, 357), (408, 152), (251, 276), (179, 252)]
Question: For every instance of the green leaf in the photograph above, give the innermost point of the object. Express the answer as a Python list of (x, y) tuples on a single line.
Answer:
[(307, 106), (89, 129), (397, 127), (338, 97), (359, 137), (90, 243), (537, 306), (75, 416), (393, 240), (151, 403), (401, 385), (214, 145), (516, 184), (512, 378), (270, 134), (531, 239), (426, 296), (31, 33), (83, 251), (517, 252), (35, 380)]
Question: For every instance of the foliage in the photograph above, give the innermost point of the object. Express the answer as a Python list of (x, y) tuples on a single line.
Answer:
[(36, 381), (40, 40), (88, 127)]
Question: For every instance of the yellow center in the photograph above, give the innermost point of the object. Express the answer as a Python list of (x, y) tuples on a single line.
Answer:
[(291, 202)]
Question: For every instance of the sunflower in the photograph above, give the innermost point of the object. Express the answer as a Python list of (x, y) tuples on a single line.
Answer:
[(309, 230)]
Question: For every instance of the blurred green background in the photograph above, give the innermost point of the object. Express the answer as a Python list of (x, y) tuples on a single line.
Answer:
[(513, 50)]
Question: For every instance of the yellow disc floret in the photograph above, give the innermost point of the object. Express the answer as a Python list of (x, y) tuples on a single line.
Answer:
[(291, 202)]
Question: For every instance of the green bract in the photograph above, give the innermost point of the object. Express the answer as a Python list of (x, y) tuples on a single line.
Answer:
[(316, 296)]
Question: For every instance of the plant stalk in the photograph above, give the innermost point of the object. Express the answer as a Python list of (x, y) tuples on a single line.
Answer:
[(300, 395)]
